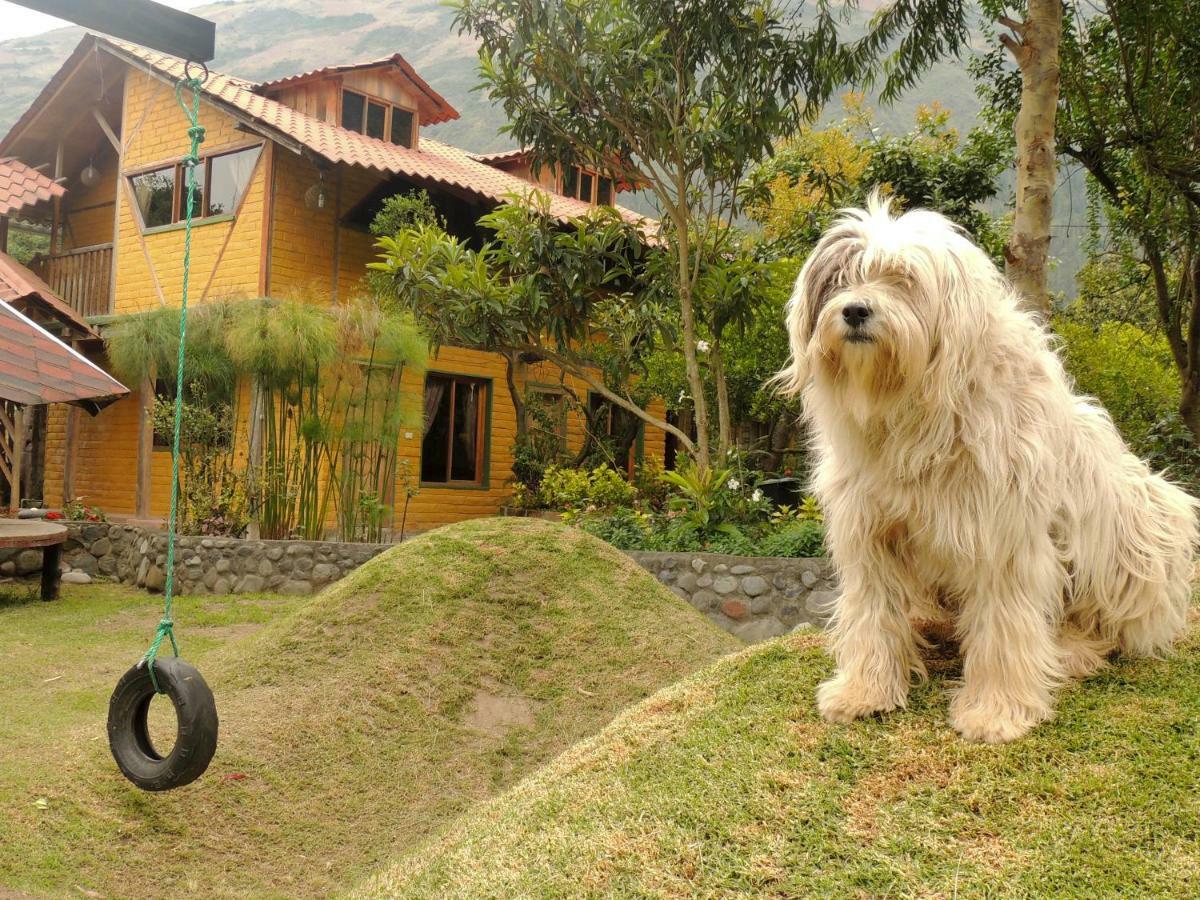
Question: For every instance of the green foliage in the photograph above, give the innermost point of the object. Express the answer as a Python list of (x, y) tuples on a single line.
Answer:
[(816, 172), (77, 510), (1129, 92), (325, 384), (212, 497), (24, 243), (1170, 446), (576, 489), (1128, 370), (403, 211)]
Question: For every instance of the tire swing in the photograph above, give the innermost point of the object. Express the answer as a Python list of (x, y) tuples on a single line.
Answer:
[(195, 708)]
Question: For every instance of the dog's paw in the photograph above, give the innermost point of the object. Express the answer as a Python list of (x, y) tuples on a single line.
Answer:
[(993, 722), (842, 700)]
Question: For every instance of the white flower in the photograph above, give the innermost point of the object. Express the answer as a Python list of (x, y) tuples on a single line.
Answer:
[(733, 484), (702, 346), (757, 496)]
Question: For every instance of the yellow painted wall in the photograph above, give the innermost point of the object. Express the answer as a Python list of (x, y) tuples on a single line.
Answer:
[(225, 254), (88, 211), (106, 457), (302, 261)]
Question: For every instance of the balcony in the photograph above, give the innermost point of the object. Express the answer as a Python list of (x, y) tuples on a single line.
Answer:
[(82, 277)]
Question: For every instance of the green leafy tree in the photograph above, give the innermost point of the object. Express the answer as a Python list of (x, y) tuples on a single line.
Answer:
[(1131, 88), (573, 295), (679, 96)]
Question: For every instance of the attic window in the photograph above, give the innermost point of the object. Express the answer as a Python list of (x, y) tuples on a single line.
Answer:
[(353, 111), (588, 186), (402, 127), (377, 119)]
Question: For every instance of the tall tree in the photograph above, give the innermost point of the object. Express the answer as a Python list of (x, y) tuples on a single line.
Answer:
[(680, 96), (1130, 95), (917, 33)]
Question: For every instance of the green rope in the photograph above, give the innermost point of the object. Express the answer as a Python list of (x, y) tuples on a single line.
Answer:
[(166, 625)]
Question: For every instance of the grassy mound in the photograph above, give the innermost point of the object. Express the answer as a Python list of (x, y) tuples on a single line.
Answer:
[(352, 724), (727, 784)]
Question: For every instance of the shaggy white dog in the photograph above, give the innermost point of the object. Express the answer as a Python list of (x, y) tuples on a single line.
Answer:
[(964, 483)]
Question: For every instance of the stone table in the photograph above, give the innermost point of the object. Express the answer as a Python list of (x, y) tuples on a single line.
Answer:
[(31, 533)]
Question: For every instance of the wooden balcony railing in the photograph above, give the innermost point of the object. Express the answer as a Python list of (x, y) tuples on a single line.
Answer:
[(80, 277)]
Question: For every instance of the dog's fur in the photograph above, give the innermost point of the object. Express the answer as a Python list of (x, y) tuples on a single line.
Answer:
[(963, 481)]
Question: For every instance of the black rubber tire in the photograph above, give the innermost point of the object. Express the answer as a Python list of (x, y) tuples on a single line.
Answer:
[(129, 737)]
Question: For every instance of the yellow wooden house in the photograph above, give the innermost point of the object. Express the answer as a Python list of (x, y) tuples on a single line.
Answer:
[(293, 171)]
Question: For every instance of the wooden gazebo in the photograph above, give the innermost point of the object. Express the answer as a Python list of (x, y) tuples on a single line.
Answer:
[(37, 368)]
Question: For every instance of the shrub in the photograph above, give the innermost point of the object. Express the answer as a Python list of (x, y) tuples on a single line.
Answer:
[(573, 489), (1170, 447), (1130, 371)]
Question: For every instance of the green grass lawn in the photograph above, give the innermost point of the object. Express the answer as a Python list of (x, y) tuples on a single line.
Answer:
[(353, 725), (728, 784)]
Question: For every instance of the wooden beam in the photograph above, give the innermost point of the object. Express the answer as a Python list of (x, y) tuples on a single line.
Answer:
[(107, 129), (140, 22), (3, 234)]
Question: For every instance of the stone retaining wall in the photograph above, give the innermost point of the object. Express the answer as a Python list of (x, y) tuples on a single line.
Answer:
[(754, 597), (203, 565)]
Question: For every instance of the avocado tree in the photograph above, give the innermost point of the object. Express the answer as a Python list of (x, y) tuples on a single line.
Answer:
[(680, 97)]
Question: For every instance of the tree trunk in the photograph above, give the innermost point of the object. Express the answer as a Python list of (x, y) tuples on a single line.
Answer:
[(1189, 404), (724, 421), (518, 402), (1036, 51), (687, 313)]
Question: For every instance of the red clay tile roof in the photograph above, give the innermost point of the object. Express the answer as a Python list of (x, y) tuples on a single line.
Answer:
[(18, 283), (22, 186), (442, 111), (500, 156), (36, 367), (432, 161)]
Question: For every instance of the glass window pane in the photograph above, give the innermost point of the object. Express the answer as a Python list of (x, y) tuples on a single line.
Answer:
[(352, 110), (548, 420), (376, 116), (585, 187), (604, 191), (570, 181), (402, 126), (465, 452), (436, 441), (229, 175), (198, 203), (155, 192)]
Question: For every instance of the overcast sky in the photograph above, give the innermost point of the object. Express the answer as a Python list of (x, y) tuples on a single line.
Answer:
[(17, 21)]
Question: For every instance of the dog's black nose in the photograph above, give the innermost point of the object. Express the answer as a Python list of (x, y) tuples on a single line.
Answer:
[(856, 313)]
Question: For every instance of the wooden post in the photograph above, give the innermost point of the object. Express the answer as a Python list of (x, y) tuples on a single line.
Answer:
[(69, 436), (18, 456), (56, 225), (145, 447), (3, 234)]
